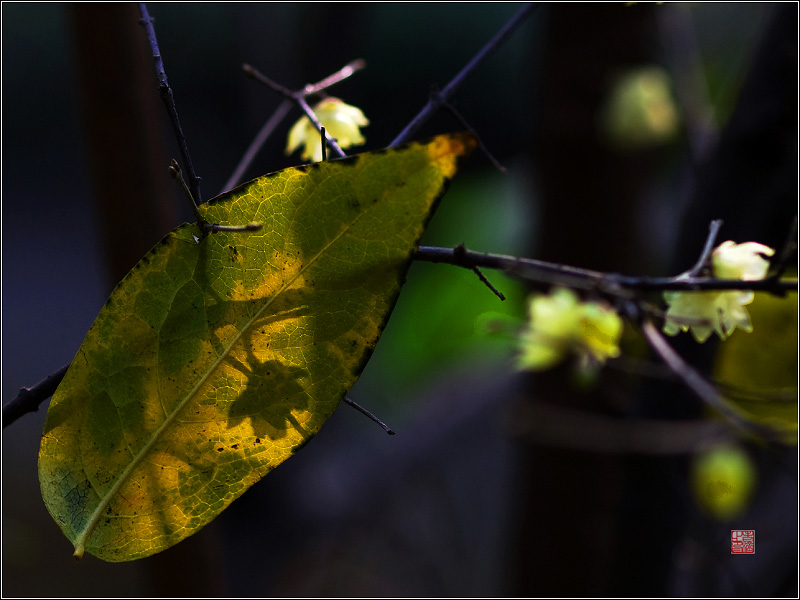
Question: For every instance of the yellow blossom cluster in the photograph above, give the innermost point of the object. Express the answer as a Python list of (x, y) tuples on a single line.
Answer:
[(722, 311), (561, 324)]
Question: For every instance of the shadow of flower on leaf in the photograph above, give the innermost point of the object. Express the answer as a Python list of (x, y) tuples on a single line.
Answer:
[(273, 391)]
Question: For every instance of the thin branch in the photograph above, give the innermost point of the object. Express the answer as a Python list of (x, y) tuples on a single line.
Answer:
[(299, 98), (476, 61), (707, 284), (350, 402), (514, 265), (787, 252), (700, 386), (552, 273), (488, 283), (340, 75), (705, 255), (301, 101), (323, 144), (457, 116), (205, 226), (177, 175), (273, 85), (29, 399), (165, 91), (458, 251), (257, 143)]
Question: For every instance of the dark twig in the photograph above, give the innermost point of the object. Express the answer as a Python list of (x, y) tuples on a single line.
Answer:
[(340, 75), (514, 265), (29, 399), (699, 385), (252, 150), (705, 256), (364, 411), (165, 91), (457, 115), (476, 61), (323, 143), (551, 273), (458, 253), (273, 85), (787, 252), (175, 173), (205, 226), (301, 101), (298, 97), (488, 284)]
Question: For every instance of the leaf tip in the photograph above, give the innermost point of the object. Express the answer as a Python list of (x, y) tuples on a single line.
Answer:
[(447, 149)]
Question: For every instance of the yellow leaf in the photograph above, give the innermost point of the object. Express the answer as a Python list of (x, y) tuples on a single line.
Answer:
[(215, 359)]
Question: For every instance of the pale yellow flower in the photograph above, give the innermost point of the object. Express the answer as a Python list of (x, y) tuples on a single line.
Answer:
[(561, 324), (340, 120), (722, 311)]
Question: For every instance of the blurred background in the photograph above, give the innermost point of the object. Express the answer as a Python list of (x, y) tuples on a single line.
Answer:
[(624, 130)]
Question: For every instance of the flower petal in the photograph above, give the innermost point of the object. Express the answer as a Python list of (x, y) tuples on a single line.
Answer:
[(741, 261)]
